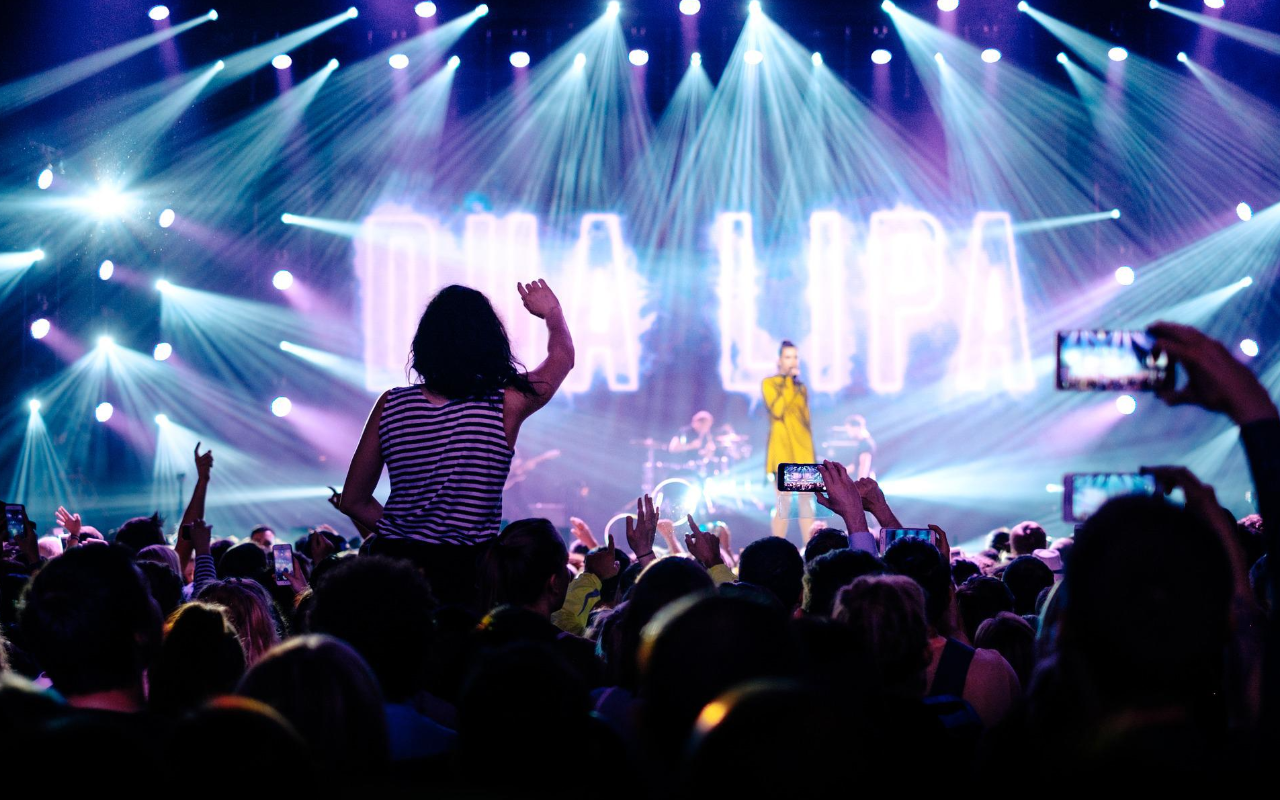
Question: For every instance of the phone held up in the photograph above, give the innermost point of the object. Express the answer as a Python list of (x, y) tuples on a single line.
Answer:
[(282, 556), (1111, 361), (799, 478)]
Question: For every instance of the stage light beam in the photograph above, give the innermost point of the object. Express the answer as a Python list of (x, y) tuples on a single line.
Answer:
[(1244, 212), (281, 406), (1182, 57), (1062, 58), (816, 58), (425, 10), (398, 61), (991, 55), (690, 7), (753, 57), (612, 9), (163, 285), (34, 405), (1214, 3), (1115, 213), (282, 61), (948, 5), (1117, 54), (454, 62), (580, 61), (162, 419), (158, 13), (638, 58)]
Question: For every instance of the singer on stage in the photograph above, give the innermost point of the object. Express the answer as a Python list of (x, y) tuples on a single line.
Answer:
[(790, 438)]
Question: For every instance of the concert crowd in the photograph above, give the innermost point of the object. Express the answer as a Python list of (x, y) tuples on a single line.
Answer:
[(429, 648)]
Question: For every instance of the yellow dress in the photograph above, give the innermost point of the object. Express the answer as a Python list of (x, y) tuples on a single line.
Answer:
[(790, 439)]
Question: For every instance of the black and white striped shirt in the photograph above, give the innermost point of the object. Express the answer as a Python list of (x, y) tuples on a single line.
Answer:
[(447, 465)]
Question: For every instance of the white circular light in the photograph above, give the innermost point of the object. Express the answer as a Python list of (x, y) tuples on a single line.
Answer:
[(288, 219), (163, 285), (690, 7), (46, 178), (1153, 5), (333, 63), (1249, 347), (1115, 213), (1244, 212), (282, 61), (753, 7), (610, 10), (519, 59), (425, 10), (106, 342), (103, 412), (753, 57), (166, 218), (40, 328), (1214, 3), (158, 13), (213, 17), (1022, 5), (220, 65), (940, 58), (1117, 54), (34, 405), (991, 55), (106, 270), (353, 12), (282, 280), (948, 5), (281, 406), (638, 58), (816, 58), (1124, 276), (1062, 58), (881, 56), (695, 60), (398, 61), (162, 351), (580, 61), (162, 419), (454, 62), (1126, 405), (1182, 57)]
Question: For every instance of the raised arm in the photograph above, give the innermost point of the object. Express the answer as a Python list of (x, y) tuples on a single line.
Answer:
[(356, 499), (541, 302), (195, 508), (873, 500)]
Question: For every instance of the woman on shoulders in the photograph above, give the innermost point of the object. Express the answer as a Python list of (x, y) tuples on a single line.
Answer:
[(447, 441)]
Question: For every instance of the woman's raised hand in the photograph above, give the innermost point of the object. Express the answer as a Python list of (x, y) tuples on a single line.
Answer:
[(538, 298)]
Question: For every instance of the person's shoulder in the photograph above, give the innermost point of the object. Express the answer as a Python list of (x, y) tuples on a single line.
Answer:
[(991, 664)]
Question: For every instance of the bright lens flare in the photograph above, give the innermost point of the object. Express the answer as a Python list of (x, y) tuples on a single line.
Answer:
[(454, 62), (948, 5), (690, 7), (162, 351), (158, 13), (281, 406), (1126, 405), (816, 58), (1249, 347), (46, 178), (991, 55), (282, 61), (103, 412), (1214, 3), (638, 58), (881, 56), (1244, 212), (398, 61), (1062, 58), (1115, 213), (1117, 54), (162, 419), (1182, 57), (580, 61), (519, 59), (612, 9), (695, 60), (940, 58), (106, 342), (753, 57), (106, 270), (40, 328), (163, 285), (1124, 276), (34, 405), (282, 280), (425, 10), (166, 218)]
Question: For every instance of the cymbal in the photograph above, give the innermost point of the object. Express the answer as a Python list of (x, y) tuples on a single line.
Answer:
[(730, 438), (648, 442)]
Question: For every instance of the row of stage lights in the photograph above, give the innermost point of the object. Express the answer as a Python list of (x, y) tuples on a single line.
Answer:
[(104, 411)]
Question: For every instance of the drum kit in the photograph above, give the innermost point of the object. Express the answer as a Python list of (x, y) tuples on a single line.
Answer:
[(723, 453)]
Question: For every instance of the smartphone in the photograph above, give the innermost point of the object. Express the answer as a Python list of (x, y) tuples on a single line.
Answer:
[(15, 521), (1111, 361), (799, 478), (1083, 493), (890, 536), (282, 554)]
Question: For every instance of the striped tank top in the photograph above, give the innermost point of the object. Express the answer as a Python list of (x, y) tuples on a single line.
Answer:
[(447, 466)]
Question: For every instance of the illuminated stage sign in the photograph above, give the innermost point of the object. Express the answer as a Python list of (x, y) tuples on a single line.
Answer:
[(907, 270)]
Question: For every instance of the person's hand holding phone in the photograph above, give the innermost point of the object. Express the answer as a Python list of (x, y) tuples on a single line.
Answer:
[(1215, 379), (841, 496)]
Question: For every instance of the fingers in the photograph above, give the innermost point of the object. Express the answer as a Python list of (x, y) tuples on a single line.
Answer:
[(822, 499), (523, 291), (648, 507), (609, 543), (693, 526)]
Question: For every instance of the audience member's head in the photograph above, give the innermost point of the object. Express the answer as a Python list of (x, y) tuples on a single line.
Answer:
[(526, 566), (330, 696), (461, 348), (1012, 637), (962, 569), (163, 584), (49, 547), (161, 554), (661, 582), (141, 532), (381, 607), (1026, 577), (219, 547), (775, 564), (823, 542), (998, 540), (921, 561), (886, 614), (91, 623), (200, 658), (251, 611), (1026, 538), (263, 537), (245, 560), (223, 720), (828, 574), (979, 599)]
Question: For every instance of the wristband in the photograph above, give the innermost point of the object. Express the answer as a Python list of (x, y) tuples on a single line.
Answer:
[(643, 555)]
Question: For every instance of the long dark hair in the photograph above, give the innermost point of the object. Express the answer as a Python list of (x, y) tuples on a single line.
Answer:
[(461, 348)]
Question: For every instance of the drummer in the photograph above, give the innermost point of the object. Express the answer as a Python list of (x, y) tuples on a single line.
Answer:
[(696, 436)]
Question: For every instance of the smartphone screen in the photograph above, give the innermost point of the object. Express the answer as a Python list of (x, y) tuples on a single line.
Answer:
[(1110, 361), (1084, 493), (799, 478), (890, 536), (15, 521), (283, 557)]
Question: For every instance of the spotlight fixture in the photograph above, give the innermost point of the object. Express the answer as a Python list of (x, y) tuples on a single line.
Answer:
[(482, 10), (1244, 212), (580, 61), (333, 63), (1182, 57), (695, 60), (1117, 54), (398, 61), (1126, 405), (162, 351), (816, 58), (948, 5), (353, 12), (166, 218), (288, 219), (282, 61), (1153, 5), (163, 285), (888, 5), (991, 55), (940, 58), (1115, 213), (638, 58), (1124, 276), (282, 280), (690, 7), (753, 7), (519, 59), (881, 56), (46, 178), (162, 419), (1214, 3), (753, 57), (213, 15), (1062, 58), (613, 8), (425, 9), (219, 65), (103, 412), (1022, 6), (34, 405), (281, 406), (158, 13), (1249, 347), (454, 62), (40, 328), (106, 342), (106, 270)]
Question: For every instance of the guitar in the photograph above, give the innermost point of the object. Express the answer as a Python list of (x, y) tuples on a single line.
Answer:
[(521, 467)]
